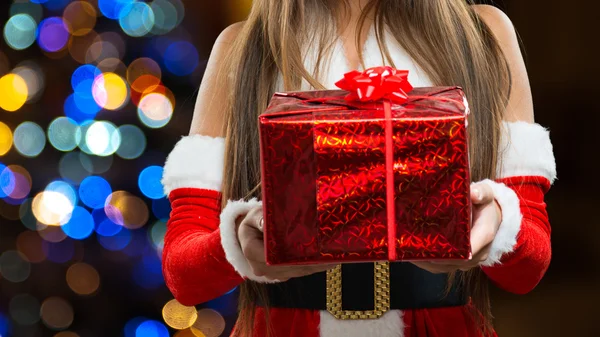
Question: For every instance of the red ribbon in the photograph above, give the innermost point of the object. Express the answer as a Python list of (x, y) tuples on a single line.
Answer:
[(388, 85), (375, 84)]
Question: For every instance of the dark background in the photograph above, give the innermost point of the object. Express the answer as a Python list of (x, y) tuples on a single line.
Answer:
[(560, 40)]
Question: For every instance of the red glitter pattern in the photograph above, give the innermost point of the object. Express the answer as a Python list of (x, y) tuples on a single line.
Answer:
[(324, 178)]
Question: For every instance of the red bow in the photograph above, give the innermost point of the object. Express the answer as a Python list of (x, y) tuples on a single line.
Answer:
[(376, 83)]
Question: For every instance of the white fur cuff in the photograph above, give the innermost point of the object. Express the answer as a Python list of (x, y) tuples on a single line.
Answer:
[(229, 239), (506, 237), (526, 150), (196, 161)]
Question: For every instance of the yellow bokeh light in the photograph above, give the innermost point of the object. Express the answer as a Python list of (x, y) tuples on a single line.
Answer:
[(179, 316), (13, 92), (52, 208), (110, 91), (83, 279), (126, 209), (191, 332), (6, 139)]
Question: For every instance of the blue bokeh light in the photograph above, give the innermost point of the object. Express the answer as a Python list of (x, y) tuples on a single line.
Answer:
[(56, 5), (84, 73), (4, 325), (73, 111), (81, 224), (116, 242), (132, 325), (149, 182), (114, 9), (161, 208), (181, 58), (93, 191), (147, 274), (139, 19), (151, 328), (59, 252), (103, 224), (7, 181)]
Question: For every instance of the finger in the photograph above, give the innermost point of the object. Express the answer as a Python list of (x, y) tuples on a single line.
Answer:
[(253, 218), (481, 193), (253, 245), (482, 232)]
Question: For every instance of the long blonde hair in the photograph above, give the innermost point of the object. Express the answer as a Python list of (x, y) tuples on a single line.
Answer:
[(451, 43)]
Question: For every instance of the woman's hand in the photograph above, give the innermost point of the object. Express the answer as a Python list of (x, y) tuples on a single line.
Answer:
[(250, 236), (487, 217)]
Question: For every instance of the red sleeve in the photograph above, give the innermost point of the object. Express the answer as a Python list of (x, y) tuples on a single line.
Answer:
[(194, 264), (523, 268)]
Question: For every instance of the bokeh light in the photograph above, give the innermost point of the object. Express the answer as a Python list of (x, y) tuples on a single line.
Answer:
[(79, 108), (80, 17), (33, 76), (181, 58), (30, 8), (151, 328), (6, 139), (132, 325), (165, 16), (56, 313), (29, 243), (15, 182), (56, 5), (95, 164), (52, 234), (66, 334), (157, 234), (138, 20), (29, 139), (53, 34), (209, 322), (59, 252), (148, 274), (63, 188), (161, 208), (179, 316), (114, 9), (155, 110), (126, 209), (24, 309), (27, 217), (52, 208), (14, 266), (110, 91), (143, 74), (102, 138), (14, 92), (83, 279), (79, 46), (149, 182), (103, 224), (62, 133), (4, 325), (94, 191), (71, 168), (115, 242), (20, 31), (133, 142), (80, 225)]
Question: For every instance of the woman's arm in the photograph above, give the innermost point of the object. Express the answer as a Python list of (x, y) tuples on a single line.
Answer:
[(521, 250), (194, 263)]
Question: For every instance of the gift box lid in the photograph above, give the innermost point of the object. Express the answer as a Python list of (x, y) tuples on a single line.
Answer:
[(435, 101)]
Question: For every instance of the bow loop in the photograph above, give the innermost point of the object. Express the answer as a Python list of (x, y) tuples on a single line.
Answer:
[(376, 83)]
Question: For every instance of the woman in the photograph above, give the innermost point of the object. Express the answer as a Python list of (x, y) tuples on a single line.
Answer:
[(214, 239)]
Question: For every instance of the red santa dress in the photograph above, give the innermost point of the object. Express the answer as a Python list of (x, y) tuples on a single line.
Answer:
[(202, 258)]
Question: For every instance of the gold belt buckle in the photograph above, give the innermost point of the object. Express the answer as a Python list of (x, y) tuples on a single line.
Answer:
[(382, 293)]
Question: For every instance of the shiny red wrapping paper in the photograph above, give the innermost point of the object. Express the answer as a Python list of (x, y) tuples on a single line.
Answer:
[(323, 164)]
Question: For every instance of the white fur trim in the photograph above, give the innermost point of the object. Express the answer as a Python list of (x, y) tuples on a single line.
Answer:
[(195, 161), (506, 237), (229, 239), (526, 150), (391, 324)]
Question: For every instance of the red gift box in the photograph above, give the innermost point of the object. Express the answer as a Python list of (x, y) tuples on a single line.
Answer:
[(333, 191)]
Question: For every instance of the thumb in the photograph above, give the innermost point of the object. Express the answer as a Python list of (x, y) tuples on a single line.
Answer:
[(481, 193)]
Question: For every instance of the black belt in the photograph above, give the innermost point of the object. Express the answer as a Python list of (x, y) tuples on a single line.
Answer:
[(410, 288)]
